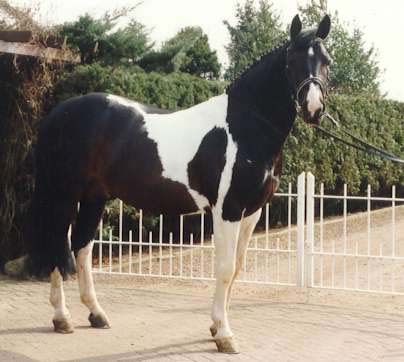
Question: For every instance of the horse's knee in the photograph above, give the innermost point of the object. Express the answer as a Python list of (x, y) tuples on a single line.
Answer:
[(56, 297), (83, 254), (225, 271)]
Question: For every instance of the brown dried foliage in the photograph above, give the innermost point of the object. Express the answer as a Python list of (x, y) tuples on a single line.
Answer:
[(26, 85)]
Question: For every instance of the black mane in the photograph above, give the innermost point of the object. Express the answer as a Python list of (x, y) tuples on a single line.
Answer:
[(267, 58), (261, 107), (304, 39)]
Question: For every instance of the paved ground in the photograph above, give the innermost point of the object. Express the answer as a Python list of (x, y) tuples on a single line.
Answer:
[(168, 321)]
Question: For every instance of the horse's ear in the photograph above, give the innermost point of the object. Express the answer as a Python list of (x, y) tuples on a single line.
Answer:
[(295, 28), (324, 27)]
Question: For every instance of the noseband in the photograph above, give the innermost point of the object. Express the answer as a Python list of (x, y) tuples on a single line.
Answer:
[(304, 82)]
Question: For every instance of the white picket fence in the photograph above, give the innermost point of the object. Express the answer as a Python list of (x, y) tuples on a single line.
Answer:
[(310, 251), (365, 254)]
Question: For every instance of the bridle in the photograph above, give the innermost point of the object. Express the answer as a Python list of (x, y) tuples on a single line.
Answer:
[(355, 142), (315, 80), (303, 83)]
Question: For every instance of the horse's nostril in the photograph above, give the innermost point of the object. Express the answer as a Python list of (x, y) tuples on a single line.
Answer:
[(318, 114)]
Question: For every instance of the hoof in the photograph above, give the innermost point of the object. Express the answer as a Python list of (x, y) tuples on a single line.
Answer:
[(227, 345), (213, 330), (63, 326), (98, 321)]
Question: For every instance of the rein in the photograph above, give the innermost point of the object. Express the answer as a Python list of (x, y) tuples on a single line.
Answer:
[(360, 145)]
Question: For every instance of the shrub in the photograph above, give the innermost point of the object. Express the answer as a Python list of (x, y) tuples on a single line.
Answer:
[(171, 91)]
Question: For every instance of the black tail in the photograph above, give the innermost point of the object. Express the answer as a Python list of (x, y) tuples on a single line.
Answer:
[(52, 211)]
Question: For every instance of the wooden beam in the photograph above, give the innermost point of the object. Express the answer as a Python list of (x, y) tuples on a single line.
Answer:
[(48, 54), (16, 36)]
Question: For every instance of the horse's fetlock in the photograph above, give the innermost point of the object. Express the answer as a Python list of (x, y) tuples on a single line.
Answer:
[(86, 298)]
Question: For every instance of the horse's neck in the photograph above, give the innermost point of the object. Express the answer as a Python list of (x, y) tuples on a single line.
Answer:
[(261, 111)]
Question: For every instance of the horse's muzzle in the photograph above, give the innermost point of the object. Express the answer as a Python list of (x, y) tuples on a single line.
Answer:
[(312, 119)]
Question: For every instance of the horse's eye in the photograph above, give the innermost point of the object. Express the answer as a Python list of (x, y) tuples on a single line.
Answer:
[(326, 60), (292, 61)]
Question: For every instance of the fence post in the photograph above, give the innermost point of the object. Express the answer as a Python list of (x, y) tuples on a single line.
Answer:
[(309, 250), (301, 180)]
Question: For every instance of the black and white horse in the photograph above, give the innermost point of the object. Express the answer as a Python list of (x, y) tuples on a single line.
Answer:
[(224, 154)]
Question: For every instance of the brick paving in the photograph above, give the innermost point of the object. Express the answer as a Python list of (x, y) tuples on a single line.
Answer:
[(169, 321)]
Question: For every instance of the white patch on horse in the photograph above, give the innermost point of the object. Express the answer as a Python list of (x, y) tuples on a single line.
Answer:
[(313, 98), (314, 93), (86, 284), (226, 237), (57, 296), (275, 178), (227, 174), (178, 136), (270, 174)]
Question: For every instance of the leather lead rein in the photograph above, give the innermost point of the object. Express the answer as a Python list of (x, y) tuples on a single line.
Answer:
[(362, 145)]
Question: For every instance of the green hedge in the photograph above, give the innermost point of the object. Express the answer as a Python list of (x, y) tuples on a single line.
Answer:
[(170, 91)]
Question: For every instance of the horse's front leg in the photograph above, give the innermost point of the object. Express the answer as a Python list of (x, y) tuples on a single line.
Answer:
[(226, 236), (246, 230)]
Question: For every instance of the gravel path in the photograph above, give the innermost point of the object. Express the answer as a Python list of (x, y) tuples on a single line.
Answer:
[(168, 320)]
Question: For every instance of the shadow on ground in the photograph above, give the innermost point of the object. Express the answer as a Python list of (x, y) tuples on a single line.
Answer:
[(155, 353)]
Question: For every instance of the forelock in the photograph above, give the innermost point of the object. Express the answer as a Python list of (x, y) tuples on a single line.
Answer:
[(305, 39)]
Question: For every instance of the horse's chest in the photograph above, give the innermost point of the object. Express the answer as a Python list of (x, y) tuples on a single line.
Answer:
[(264, 188), (270, 183), (253, 184)]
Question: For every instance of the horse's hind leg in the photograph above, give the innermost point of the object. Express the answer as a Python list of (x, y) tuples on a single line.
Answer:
[(61, 320), (58, 221), (87, 220)]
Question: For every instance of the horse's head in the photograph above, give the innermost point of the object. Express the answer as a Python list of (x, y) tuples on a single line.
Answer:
[(307, 68)]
